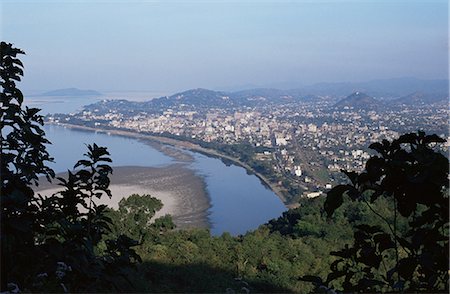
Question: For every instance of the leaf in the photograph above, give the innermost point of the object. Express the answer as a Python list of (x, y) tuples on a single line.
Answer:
[(369, 257), (62, 180), (366, 283), (405, 206), (353, 176), (105, 168), (377, 193), (377, 147), (32, 111), (82, 162), (384, 241), (312, 279), (335, 198), (106, 159), (335, 275), (433, 139), (410, 138), (353, 193), (406, 267), (405, 243), (368, 229), (334, 264), (344, 253), (426, 261), (375, 168)]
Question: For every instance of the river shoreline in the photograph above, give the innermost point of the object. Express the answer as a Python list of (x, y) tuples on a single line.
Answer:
[(185, 145)]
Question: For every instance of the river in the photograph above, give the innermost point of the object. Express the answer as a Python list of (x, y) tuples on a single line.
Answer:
[(239, 201)]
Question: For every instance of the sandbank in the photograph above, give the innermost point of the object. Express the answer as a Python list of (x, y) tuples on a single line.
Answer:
[(181, 191)]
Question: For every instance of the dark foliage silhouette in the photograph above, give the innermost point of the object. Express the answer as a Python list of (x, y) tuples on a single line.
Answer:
[(414, 179), (23, 157), (49, 243)]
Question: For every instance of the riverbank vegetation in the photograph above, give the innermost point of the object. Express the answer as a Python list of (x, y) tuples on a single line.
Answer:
[(385, 231)]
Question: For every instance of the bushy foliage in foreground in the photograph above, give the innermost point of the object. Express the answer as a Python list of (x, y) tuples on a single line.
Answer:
[(413, 178), (49, 243)]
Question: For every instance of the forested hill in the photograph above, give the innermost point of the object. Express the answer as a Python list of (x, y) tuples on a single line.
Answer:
[(197, 99), (358, 100), (201, 99)]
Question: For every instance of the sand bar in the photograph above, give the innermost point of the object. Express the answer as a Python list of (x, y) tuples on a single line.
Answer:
[(181, 191)]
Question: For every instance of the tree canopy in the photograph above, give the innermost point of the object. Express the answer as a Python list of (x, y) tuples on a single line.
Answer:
[(413, 178)]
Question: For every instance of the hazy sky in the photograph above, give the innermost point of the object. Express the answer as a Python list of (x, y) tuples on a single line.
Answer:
[(176, 45)]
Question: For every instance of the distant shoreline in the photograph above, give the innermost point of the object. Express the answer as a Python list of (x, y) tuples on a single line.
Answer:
[(185, 145)]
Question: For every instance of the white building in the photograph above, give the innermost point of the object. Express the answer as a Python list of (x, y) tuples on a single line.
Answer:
[(297, 171), (281, 141), (313, 194)]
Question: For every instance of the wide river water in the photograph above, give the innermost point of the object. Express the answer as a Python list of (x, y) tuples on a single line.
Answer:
[(239, 201)]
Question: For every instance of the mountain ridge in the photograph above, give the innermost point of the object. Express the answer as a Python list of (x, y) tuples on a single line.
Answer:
[(394, 87), (419, 98), (201, 98), (358, 100)]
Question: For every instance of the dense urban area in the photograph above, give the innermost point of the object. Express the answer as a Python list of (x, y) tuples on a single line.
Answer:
[(298, 142)]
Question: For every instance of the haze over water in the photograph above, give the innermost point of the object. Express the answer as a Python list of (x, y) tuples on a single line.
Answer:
[(170, 46)]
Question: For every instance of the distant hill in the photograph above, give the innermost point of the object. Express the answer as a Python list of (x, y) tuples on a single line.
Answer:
[(71, 92), (262, 94), (203, 98), (200, 97), (358, 100), (389, 88), (251, 97), (195, 98), (420, 98), (217, 99), (120, 105)]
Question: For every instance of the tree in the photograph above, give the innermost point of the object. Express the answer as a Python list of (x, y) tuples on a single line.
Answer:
[(23, 157), (48, 243), (134, 218), (414, 179)]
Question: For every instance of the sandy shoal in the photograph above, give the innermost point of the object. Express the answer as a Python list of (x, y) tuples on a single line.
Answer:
[(181, 191)]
